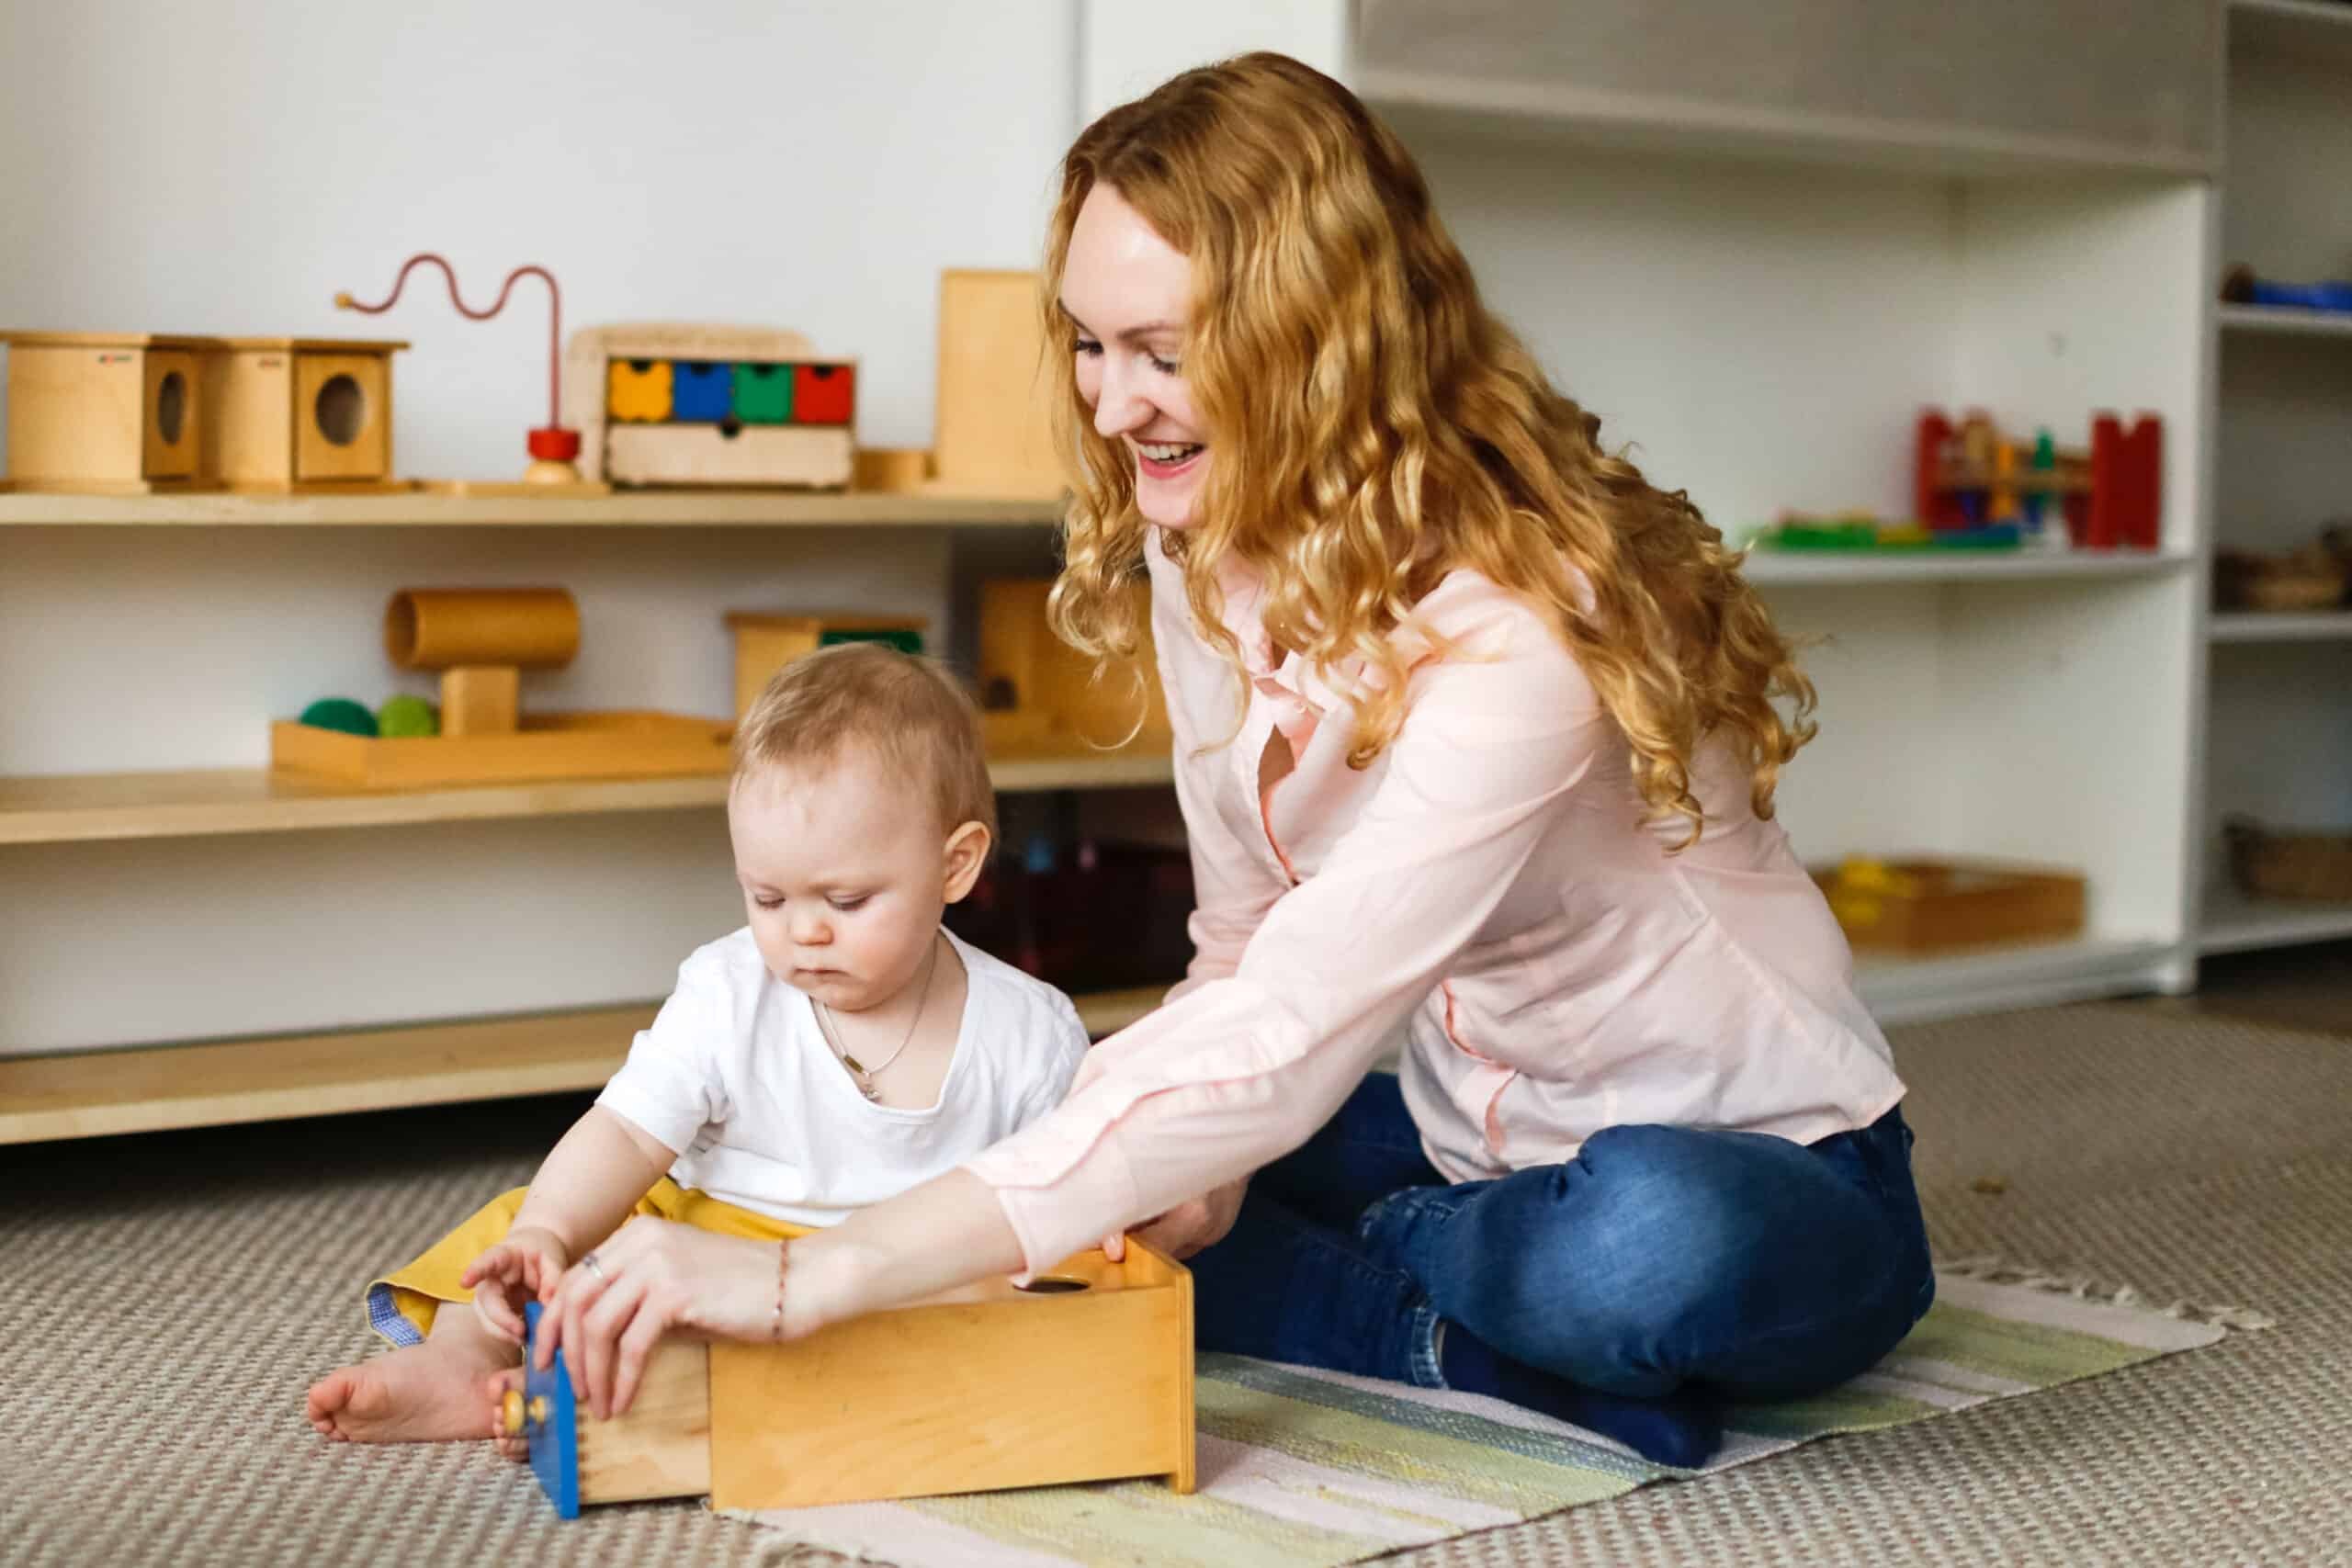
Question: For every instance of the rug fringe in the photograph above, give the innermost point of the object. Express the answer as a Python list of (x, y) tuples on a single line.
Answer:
[(1997, 1270)]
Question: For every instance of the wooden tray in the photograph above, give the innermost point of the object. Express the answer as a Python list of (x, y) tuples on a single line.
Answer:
[(1927, 905), (549, 746)]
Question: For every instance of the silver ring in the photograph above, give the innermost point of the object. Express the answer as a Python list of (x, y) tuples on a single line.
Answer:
[(592, 1267)]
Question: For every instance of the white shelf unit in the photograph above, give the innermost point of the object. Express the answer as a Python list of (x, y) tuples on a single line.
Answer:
[(2276, 729), (1764, 324)]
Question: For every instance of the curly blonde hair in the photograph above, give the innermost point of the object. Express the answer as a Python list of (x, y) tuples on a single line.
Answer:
[(1374, 427)]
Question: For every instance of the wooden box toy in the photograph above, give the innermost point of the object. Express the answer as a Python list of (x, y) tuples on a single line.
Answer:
[(993, 435), (766, 642), (1084, 1375), (1928, 905), (480, 640), (681, 404), (299, 414), (118, 413), (1039, 693)]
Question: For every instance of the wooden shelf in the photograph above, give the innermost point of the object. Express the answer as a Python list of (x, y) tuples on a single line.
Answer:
[(2257, 626), (1826, 567), (627, 509), (2235, 922), (1995, 979), (2281, 319), (78, 808), (86, 1094)]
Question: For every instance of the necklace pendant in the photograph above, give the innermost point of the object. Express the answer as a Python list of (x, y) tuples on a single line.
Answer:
[(870, 1092), (854, 1064)]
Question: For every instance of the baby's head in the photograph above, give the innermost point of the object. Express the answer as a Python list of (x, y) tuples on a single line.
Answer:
[(860, 810)]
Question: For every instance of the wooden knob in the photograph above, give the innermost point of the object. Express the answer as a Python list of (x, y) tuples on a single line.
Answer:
[(510, 1412)]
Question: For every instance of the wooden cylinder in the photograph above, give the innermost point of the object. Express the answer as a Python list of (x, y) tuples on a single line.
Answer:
[(436, 628)]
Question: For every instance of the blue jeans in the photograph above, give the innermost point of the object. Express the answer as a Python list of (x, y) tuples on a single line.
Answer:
[(1660, 1261)]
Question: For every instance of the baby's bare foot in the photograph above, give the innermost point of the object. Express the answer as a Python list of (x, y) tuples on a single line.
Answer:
[(429, 1393), (514, 1447)]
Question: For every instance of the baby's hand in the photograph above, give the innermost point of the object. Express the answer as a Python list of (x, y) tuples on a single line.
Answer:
[(524, 1267)]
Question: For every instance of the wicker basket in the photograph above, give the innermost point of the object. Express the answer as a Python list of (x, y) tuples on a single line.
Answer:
[(2312, 578), (2268, 865)]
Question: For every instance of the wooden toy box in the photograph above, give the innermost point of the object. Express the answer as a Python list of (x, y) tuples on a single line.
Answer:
[(675, 404), (1087, 1375), (1922, 905), (118, 413)]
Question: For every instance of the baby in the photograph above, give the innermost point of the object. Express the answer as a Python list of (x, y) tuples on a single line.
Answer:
[(839, 1049)]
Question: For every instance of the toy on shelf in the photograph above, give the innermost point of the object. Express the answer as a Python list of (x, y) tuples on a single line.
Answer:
[(480, 640), (991, 438), (1038, 694), (766, 642), (285, 413), (109, 413), (553, 447), (1085, 1374), (1861, 531), (2310, 578), (1971, 475), (1926, 904), (2241, 287), (681, 404)]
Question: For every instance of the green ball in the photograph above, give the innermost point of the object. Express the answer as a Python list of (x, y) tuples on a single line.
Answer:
[(340, 713), (407, 716)]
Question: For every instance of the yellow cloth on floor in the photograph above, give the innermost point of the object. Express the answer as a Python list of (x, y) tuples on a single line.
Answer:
[(418, 1290)]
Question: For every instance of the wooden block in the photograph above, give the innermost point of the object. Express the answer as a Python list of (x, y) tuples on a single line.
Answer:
[(343, 416), (812, 455), (1025, 667), (545, 746), (116, 412), (1927, 905), (249, 440), (900, 470), (661, 1448), (287, 414), (480, 699), (993, 436)]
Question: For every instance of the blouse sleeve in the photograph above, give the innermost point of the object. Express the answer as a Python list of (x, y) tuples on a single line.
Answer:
[(1243, 1067)]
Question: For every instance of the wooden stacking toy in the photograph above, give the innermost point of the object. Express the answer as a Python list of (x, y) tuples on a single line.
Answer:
[(1086, 1374)]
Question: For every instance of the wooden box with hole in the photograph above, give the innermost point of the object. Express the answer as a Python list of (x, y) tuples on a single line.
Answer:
[(1085, 1374), (290, 413), (676, 403), (109, 413)]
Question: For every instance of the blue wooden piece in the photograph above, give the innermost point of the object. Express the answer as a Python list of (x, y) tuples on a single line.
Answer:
[(555, 1447), (700, 393)]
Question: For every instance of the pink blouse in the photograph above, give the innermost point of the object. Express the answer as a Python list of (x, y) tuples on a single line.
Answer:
[(1483, 898)]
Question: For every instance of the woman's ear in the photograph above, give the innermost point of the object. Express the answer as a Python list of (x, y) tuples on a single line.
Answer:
[(967, 852)]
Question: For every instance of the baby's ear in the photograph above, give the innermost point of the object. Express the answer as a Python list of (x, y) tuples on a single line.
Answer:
[(966, 853)]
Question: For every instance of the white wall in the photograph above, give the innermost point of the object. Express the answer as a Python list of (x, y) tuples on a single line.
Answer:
[(811, 166)]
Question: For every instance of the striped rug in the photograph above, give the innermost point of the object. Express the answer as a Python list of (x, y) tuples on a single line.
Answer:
[(1300, 1469)]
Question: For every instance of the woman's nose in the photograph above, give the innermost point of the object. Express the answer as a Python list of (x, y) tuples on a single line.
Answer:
[(1118, 408)]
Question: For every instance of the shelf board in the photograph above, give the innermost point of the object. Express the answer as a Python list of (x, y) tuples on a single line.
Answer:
[(1766, 566), (88, 1094), (1438, 104), (79, 807), (2281, 319), (2236, 923), (627, 509), (2257, 626), (1996, 979)]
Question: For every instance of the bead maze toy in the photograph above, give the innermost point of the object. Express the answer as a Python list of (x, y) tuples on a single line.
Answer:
[(687, 404), (480, 641), (1970, 475), (106, 413), (552, 447), (766, 642), (1085, 1374)]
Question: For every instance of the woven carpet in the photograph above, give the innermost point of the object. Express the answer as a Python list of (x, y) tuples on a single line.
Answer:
[(165, 1301)]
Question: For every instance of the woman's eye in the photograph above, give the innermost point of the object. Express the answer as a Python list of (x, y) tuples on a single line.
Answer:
[(1165, 367), (1088, 346)]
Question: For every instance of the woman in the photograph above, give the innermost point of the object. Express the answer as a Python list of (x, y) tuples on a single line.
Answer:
[(1476, 740)]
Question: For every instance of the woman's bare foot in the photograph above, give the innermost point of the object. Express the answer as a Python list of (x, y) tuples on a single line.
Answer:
[(421, 1393), (517, 1449)]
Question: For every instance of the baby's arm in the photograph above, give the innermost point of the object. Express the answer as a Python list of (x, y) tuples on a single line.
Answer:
[(584, 1189)]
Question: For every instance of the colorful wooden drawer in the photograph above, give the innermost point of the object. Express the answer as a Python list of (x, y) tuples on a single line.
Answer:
[(824, 394), (1087, 1375), (637, 391), (763, 393), (701, 392), (106, 412)]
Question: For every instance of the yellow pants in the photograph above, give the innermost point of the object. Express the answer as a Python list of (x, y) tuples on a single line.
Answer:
[(401, 1306)]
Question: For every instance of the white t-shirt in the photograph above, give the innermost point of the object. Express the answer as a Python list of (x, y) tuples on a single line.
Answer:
[(736, 1076)]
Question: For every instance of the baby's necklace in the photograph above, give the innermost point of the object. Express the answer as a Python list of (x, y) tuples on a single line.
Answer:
[(862, 1075)]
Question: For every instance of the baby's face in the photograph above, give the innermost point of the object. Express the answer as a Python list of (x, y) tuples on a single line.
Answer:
[(843, 875)]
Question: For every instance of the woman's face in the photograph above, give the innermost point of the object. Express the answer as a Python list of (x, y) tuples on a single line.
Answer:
[(1127, 292)]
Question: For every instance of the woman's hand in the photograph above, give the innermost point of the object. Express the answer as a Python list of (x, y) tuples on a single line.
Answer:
[(614, 1306), (526, 1265), (1189, 1227)]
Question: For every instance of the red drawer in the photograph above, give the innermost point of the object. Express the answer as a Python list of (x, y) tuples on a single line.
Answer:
[(824, 394)]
